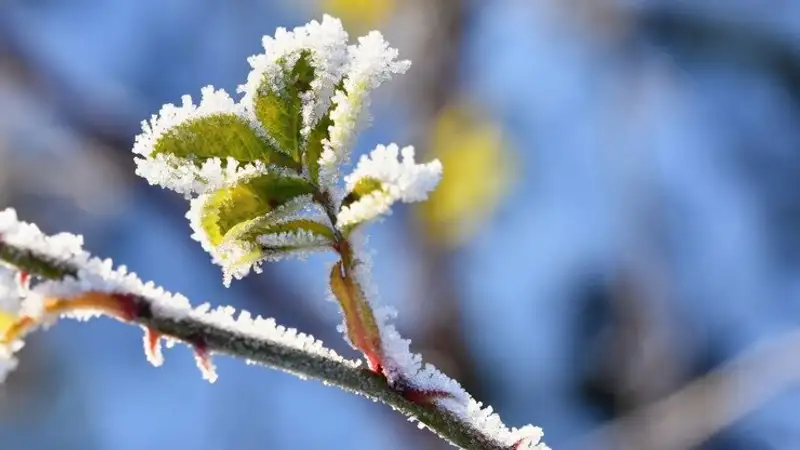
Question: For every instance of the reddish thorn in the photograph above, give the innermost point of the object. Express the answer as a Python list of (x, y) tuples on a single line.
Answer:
[(204, 363), (518, 444), (23, 279), (152, 347)]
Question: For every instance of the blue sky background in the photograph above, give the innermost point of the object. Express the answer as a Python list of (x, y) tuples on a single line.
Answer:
[(658, 146)]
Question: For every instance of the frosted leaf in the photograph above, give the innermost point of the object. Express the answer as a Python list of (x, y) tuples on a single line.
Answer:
[(213, 167), (186, 178), (371, 62), (326, 43), (238, 257), (395, 180), (301, 239)]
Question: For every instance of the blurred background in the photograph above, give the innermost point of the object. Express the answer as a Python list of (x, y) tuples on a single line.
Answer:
[(613, 254)]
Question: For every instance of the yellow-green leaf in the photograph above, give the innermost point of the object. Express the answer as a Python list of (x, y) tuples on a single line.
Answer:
[(281, 112), (219, 136), (360, 15), (228, 211), (6, 321), (480, 170), (364, 186)]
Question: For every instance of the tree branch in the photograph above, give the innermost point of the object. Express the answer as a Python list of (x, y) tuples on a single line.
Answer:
[(214, 338)]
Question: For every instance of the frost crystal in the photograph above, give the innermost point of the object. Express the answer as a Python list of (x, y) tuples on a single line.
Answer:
[(231, 254), (327, 44), (400, 180), (94, 275), (182, 175), (406, 369), (371, 62), (10, 306)]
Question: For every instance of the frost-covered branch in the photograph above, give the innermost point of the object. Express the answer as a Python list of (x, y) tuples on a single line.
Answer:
[(72, 284), (262, 177)]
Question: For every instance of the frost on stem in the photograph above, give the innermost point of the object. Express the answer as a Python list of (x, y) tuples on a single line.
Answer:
[(424, 383), (97, 288)]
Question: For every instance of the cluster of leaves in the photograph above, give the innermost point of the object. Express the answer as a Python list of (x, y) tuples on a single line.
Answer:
[(235, 216), (262, 173)]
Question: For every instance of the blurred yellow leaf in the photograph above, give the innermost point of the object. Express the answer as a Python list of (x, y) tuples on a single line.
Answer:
[(6, 320), (359, 14), (478, 171)]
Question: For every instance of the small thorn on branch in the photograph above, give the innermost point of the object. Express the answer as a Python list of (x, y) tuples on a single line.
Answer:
[(203, 359), (23, 280), (152, 347)]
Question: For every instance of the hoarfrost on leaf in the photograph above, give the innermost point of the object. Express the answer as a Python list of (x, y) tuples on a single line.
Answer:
[(198, 148), (385, 180), (326, 44), (371, 62)]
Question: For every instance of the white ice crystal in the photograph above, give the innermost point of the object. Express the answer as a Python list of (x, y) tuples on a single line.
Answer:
[(179, 174), (326, 43), (401, 180), (10, 306), (10, 295), (371, 62)]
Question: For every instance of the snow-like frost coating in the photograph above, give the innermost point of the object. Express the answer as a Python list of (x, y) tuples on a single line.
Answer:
[(96, 275), (11, 299), (404, 368), (327, 43), (401, 180), (371, 62), (181, 175)]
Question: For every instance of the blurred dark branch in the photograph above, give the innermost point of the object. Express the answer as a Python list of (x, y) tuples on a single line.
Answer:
[(441, 336), (702, 36), (688, 417)]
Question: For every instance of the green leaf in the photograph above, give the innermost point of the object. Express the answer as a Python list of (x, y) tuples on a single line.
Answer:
[(219, 136), (314, 147), (230, 211), (281, 112)]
